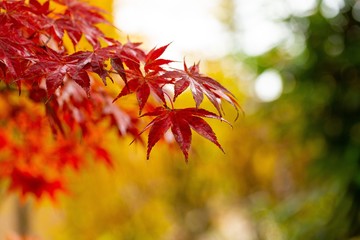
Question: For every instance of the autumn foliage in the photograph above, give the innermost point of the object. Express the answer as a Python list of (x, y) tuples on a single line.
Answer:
[(54, 102)]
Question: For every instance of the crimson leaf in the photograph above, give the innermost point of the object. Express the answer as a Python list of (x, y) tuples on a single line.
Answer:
[(200, 85), (78, 19), (181, 121), (141, 81)]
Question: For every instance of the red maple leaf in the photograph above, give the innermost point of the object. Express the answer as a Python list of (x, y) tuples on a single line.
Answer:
[(181, 121), (103, 155), (125, 122), (200, 85), (93, 61), (56, 67), (152, 60), (143, 76), (27, 181), (13, 49), (80, 19), (26, 19)]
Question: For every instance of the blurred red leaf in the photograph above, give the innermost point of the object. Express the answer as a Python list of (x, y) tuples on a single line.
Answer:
[(27, 181), (103, 155)]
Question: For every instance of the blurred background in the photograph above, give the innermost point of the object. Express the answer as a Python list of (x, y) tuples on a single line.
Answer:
[(292, 164)]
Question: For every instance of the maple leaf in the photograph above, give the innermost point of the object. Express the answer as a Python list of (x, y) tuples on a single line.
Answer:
[(28, 19), (130, 55), (39, 8), (51, 65), (78, 19), (93, 61), (103, 155), (56, 67), (143, 86), (152, 61), (27, 181), (132, 50), (14, 50), (65, 155), (123, 121), (144, 74), (200, 85), (181, 121), (73, 107), (118, 66)]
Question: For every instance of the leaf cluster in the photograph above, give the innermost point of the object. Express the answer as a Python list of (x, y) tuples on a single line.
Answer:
[(35, 59)]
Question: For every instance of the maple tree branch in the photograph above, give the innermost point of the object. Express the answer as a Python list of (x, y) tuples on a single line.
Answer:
[(34, 57)]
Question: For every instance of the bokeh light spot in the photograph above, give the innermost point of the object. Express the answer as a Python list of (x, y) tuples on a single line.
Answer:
[(268, 86)]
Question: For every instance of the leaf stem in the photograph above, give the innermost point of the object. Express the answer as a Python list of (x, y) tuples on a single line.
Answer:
[(170, 100)]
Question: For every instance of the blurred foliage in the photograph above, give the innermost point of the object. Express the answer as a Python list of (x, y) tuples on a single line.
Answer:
[(317, 127)]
